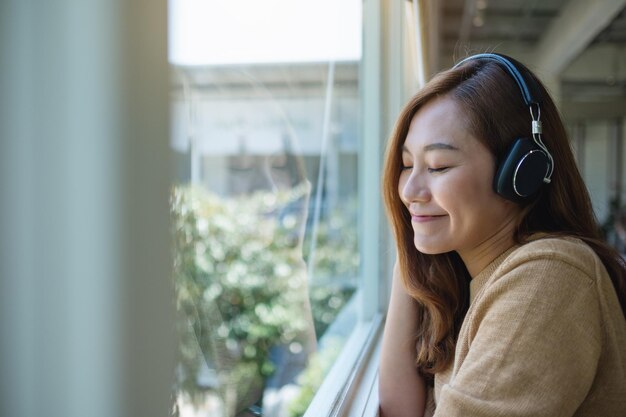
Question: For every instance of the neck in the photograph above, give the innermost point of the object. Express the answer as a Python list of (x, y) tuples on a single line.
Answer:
[(478, 258)]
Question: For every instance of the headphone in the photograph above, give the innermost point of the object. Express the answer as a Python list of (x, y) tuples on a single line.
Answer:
[(527, 164)]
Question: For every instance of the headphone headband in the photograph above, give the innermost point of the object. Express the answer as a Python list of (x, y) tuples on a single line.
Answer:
[(527, 85)]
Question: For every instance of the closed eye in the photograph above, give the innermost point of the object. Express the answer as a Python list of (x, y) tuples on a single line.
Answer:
[(405, 167), (440, 169)]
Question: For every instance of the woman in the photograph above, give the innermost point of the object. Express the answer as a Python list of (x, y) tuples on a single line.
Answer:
[(505, 301)]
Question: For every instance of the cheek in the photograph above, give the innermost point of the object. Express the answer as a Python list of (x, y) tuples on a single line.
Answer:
[(484, 204), (479, 181), (466, 195), (401, 183)]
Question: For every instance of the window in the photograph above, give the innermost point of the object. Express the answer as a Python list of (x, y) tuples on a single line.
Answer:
[(265, 119), (87, 229)]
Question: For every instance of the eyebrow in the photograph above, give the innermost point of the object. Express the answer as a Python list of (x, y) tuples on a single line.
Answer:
[(434, 146)]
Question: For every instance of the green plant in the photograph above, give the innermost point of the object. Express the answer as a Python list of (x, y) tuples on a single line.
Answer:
[(239, 278), (336, 250), (336, 265), (240, 284)]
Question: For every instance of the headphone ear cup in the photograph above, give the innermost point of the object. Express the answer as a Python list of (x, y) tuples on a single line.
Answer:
[(522, 170)]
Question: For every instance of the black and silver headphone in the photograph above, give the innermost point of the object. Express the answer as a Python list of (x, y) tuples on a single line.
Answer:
[(527, 164)]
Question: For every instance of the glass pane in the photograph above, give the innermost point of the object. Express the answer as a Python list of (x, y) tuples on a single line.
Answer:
[(264, 117)]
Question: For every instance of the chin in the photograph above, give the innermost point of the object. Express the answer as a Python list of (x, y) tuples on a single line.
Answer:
[(430, 248)]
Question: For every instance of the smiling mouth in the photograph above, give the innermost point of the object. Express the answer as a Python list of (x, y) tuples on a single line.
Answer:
[(425, 219)]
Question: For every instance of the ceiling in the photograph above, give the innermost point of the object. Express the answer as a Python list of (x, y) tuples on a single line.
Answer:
[(578, 47), (485, 25)]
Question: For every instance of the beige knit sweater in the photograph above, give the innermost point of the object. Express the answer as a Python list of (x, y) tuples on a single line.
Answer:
[(544, 336)]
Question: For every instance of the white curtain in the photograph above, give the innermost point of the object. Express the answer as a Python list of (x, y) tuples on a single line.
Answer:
[(85, 301)]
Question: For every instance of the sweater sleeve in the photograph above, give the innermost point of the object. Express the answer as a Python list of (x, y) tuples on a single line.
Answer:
[(533, 344)]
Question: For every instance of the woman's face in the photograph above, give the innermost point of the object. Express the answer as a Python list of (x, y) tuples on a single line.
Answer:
[(446, 183)]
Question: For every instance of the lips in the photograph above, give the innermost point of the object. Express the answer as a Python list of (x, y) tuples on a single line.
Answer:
[(424, 218)]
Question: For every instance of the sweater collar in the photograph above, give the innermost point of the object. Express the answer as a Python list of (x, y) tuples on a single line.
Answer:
[(479, 280)]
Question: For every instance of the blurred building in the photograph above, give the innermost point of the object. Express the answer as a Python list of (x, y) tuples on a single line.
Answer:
[(237, 129)]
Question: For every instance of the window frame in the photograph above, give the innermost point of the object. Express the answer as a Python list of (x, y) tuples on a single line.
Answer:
[(351, 386)]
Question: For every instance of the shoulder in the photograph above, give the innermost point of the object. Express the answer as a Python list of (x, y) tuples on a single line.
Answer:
[(559, 272), (551, 279), (549, 254)]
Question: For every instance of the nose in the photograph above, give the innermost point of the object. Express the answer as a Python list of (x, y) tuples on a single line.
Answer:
[(414, 188)]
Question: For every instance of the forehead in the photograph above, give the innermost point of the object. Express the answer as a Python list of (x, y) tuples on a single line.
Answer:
[(439, 121)]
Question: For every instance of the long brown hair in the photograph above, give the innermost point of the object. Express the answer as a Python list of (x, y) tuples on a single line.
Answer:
[(496, 114)]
